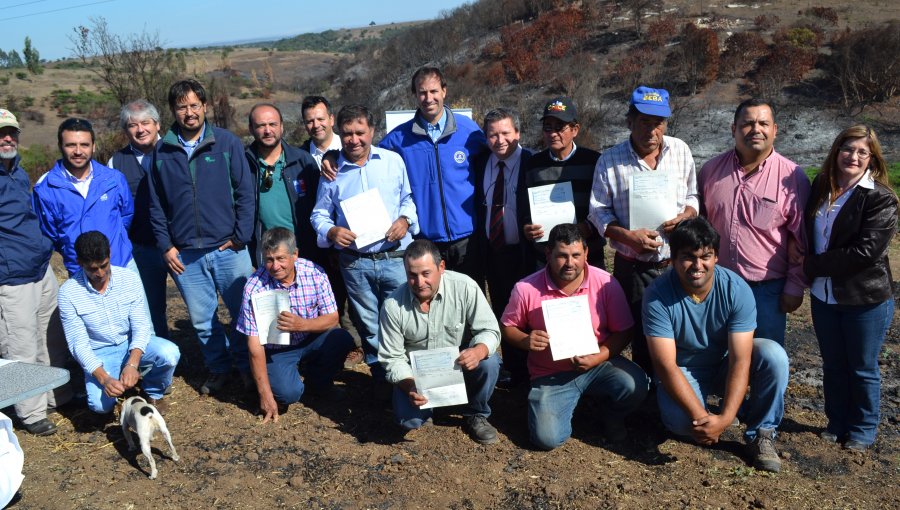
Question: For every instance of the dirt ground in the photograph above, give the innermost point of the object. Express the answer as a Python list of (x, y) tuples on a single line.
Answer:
[(348, 454)]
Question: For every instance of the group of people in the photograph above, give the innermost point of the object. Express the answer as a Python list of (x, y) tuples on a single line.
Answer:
[(701, 299)]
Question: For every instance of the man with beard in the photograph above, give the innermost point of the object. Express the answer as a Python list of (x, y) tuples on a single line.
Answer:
[(558, 385), (28, 287)]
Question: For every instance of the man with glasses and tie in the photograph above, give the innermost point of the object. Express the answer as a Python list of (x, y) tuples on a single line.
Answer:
[(140, 122), (201, 208), (754, 197), (497, 184), (561, 161), (286, 180)]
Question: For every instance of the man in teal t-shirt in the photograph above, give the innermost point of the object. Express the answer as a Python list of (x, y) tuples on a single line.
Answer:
[(699, 319)]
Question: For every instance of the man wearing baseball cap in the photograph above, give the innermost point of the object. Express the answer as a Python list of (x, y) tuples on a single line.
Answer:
[(562, 161), (28, 287), (642, 254)]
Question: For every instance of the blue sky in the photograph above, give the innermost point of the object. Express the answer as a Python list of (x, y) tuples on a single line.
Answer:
[(199, 22)]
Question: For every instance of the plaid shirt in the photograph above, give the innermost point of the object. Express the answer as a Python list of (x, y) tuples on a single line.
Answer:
[(311, 297), (612, 180)]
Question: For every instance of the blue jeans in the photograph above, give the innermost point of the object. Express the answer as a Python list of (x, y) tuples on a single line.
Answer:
[(154, 271), (369, 283), (207, 272), (157, 366), (322, 357), (762, 410), (479, 388), (771, 322), (850, 339), (619, 383)]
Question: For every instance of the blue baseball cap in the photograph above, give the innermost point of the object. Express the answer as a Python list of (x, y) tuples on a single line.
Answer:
[(651, 101)]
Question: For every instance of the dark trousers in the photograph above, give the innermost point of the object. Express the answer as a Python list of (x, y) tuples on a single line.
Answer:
[(461, 256), (503, 269), (634, 276)]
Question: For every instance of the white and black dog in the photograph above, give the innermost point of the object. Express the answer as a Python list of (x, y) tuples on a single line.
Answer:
[(145, 420)]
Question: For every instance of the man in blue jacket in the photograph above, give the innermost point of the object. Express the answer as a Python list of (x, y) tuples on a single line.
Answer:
[(437, 146), (28, 286), (79, 194), (201, 208)]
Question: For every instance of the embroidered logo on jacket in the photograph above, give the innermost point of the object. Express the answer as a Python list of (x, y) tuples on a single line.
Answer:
[(459, 157)]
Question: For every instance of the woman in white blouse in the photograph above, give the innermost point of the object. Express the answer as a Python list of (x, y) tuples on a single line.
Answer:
[(851, 218)]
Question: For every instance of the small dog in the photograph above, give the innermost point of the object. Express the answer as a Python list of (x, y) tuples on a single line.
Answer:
[(145, 420)]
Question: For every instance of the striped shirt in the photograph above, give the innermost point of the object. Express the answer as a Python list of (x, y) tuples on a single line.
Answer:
[(92, 319), (310, 293), (612, 180)]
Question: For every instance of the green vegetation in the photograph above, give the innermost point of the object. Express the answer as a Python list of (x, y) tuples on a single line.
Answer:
[(37, 159), (84, 102)]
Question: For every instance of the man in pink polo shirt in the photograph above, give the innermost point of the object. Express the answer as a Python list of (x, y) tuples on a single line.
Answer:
[(557, 386), (754, 198)]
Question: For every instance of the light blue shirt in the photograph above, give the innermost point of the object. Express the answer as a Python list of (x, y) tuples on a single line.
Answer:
[(190, 146), (435, 130), (92, 320), (385, 171), (700, 330)]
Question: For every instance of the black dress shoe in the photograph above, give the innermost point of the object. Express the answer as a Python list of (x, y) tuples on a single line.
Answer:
[(43, 427)]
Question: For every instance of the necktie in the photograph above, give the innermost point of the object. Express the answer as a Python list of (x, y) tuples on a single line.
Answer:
[(495, 233)]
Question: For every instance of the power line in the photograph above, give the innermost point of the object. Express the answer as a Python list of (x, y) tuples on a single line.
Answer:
[(26, 3), (55, 10)]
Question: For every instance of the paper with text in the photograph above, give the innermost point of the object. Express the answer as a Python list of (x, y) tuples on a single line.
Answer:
[(551, 205), (266, 307), (438, 377), (568, 323), (367, 217), (651, 200)]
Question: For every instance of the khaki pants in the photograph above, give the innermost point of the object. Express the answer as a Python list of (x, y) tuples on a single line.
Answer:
[(31, 332)]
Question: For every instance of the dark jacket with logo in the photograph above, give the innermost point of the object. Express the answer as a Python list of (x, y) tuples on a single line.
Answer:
[(301, 178), (205, 200), (24, 251), (856, 258)]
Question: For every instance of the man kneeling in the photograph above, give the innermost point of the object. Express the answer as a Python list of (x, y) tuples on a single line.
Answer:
[(313, 314), (557, 386), (108, 328), (699, 319)]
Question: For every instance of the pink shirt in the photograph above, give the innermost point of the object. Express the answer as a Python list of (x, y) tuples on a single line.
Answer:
[(609, 312), (756, 216)]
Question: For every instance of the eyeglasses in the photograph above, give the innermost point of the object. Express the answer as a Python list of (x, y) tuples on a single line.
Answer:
[(861, 153), (183, 108), (267, 179), (550, 128)]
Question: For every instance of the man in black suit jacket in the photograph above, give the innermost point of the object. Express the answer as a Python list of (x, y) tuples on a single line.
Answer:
[(497, 231)]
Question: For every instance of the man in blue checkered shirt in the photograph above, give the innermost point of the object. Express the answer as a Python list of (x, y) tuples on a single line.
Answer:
[(314, 338)]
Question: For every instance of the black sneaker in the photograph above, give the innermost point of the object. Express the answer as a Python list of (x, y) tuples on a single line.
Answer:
[(480, 430), (213, 383), (42, 427)]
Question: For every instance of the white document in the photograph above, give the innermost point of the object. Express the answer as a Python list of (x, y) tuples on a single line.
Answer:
[(568, 323), (551, 205), (367, 217), (266, 307), (652, 200), (7, 361), (438, 377)]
